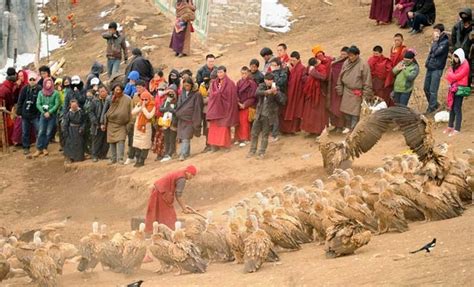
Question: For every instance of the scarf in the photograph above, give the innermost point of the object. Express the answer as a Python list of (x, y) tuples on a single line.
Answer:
[(115, 96), (48, 92), (155, 84), (149, 105)]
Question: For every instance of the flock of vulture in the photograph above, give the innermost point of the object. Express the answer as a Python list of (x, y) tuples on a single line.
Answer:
[(342, 214)]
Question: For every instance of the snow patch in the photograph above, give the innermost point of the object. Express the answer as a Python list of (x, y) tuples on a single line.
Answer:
[(275, 16), (40, 3), (441, 117)]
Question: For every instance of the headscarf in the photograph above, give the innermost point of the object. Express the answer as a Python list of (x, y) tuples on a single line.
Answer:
[(25, 78), (149, 105), (48, 92), (191, 169), (316, 49)]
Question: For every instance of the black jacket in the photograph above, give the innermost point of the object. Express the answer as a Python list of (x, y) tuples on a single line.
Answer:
[(258, 77), (96, 109), (460, 35), (203, 73), (281, 79), (438, 53), (96, 69), (142, 66), (79, 95), (427, 8), (26, 106), (268, 105)]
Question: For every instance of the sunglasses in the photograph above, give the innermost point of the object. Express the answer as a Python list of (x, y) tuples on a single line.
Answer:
[(32, 79)]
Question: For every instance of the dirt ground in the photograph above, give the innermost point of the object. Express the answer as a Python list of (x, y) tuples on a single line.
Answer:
[(35, 192)]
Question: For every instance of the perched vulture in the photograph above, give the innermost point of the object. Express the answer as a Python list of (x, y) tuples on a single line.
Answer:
[(361, 213), (185, 253), (257, 247), (134, 251), (345, 237), (4, 267), (111, 251), (389, 213), (43, 268), (278, 232), (160, 249), (89, 250)]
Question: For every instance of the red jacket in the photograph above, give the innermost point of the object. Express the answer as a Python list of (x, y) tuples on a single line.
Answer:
[(7, 94), (460, 76)]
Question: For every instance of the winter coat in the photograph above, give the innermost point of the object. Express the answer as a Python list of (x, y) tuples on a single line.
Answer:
[(48, 104), (405, 78), (202, 73), (438, 53), (7, 92), (460, 35), (189, 115), (142, 140), (115, 44), (79, 95), (354, 84), (281, 79), (460, 76), (26, 106), (96, 69), (427, 8), (96, 109), (268, 105), (142, 66), (116, 116)]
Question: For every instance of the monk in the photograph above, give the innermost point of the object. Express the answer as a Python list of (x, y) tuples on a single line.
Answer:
[(290, 119), (165, 190), (181, 38), (380, 68), (336, 116), (381, 11), (283, 55), (246, 88), (396, 56), (222, 110), (315, 116)]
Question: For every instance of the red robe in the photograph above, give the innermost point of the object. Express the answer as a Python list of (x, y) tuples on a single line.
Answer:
[(290, 120), (380, 68), (396, 56), (315, 117), (160, 205), (8, 95), (246, 94), (337, 117)]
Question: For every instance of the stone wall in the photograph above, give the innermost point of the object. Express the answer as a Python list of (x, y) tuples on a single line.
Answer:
[(232, 21)]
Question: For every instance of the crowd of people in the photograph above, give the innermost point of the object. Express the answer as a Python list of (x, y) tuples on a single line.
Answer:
[(277, 95)]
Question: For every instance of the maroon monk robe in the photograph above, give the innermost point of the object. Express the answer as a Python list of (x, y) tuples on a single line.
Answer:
[(315, 117), (160, 205), (290, 120), (396, 56), (381, 10), (380, 68), (246, 89), (337, 117), (222, 111)]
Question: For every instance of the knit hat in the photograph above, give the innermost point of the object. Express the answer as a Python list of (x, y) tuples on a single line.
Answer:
[(58, 81), (134, 75), (316, 49), (75, 80), (11, 72), (409, 55), (191, 169), (95, 81)]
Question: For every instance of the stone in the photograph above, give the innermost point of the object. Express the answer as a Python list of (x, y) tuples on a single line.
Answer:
[(139, 28), (149, 48)]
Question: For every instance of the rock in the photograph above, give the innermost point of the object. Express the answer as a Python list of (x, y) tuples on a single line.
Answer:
[(252, 43), (149, 48), (139, 28)]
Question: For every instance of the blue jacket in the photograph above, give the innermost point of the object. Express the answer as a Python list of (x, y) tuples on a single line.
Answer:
[(438, 53)]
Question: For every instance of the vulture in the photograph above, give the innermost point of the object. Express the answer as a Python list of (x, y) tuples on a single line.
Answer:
[(411, 210), (160, 249), (110, 255), (185, 253), (235, 238), (292, 223), (389, 213), (134, 251), (280, 234), (311, 221), (257, 247), (345, 237), (4, 268), (25, 252), (437, 202), (89, 250), (43, 268), (360, 213)]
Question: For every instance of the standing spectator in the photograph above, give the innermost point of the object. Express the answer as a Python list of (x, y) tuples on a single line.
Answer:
[(21, 82), (99, 136), (267, 55), (460, 36), (158, 83), (45, 73), (246, 88), (169, 122), (132, 153), (255, 73), (222, 110), (380, 69), (26, 109), (7, 99), (96, 69), (290, 121), (188, 113), (204, 91), (47, 104), (336, 116), (354, 85), (130, 89), (77, 92), (141, 65), (405, 75), (158, 146), (402, 7), (283, 55), (281, 80), (116, 44), (423, 13), (205, 71), (458, 79), (381, 11), (397, 53), (268, 97), (435, 64), (114, 119), (142, 135), (175, 78), (181, 38), (73, 131)]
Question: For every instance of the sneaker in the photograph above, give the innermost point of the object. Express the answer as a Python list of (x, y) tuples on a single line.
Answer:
[(261, 156), (274, 139), (206, 149), (214, 149), (448, 130), (129, 161), (138, 164), (242, 144), (236, 143), (120, 161), (94, 159), (250, 154), (45, 152), (346, 131), (37, 153), (182, 158), (166, 158), (453, 133), (26, 151), (158, 158)]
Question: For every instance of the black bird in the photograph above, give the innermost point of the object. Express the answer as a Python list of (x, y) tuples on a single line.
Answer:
[(427, 247), (135, 284)]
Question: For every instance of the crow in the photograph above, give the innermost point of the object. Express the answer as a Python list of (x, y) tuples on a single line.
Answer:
[(427, 247), (135, 284)]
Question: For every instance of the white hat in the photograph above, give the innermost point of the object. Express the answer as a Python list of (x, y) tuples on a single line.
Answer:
[(75, 80), (95, 81)]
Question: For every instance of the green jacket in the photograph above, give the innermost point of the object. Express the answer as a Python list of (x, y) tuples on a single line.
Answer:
[(405, 78), (48, 104)]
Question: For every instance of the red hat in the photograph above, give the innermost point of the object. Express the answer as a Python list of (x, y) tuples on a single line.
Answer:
[(191, 169)]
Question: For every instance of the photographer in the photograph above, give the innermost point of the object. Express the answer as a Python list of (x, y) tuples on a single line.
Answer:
[(115, 45), (168, 122), (405, 74)]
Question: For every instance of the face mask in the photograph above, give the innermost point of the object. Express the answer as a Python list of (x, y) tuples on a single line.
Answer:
[(407, 63)]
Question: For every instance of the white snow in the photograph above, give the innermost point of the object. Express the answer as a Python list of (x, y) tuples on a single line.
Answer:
[(275, 16), (40, 3), (27, 58), (441, 117)]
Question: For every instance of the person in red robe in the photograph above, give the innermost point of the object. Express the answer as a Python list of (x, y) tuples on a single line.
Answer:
[(396, 56), (8, 97), (22, 81), (246, 88), (222, 110), (381, 11), (380, 68), (283, 55), (161, 202), (290, 119), (336, 116)]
